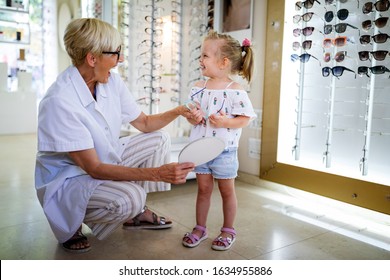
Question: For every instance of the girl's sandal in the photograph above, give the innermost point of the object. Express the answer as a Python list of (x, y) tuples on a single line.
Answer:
[(226, 241), (195, 240)]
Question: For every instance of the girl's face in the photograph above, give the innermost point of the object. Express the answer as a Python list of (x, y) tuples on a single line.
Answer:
[(210, 60)]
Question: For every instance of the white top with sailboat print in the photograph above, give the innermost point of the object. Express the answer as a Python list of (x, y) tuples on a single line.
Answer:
[(233, 102)]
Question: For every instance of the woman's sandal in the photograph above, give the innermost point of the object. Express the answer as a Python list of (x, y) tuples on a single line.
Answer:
[(77, 239), (226, 241), (195, 240), (158, 222)]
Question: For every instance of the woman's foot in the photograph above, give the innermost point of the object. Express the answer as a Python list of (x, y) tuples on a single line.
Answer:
[(147, 219), (193, 239), (78, 243), (225, 240)]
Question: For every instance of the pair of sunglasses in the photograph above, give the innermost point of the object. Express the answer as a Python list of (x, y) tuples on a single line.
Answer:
[(379, 22), (336, 71), (306, 45), (339, 28), (338, 42), (378, 38), (363, 70), (306, 4), (307, 31), (338, 57), (378, 55), (303, 57), (380, 6), (341, 14), (305, 17)]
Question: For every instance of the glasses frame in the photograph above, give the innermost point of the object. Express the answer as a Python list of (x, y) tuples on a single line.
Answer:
[(336, 68), (118, 53)]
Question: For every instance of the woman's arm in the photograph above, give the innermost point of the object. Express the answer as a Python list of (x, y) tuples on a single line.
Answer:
[(88, 160)]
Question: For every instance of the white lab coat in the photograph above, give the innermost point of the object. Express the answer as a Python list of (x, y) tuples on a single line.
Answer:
[(70, 120)]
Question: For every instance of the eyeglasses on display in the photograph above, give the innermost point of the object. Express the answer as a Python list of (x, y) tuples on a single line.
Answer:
[(378, 55), (342, 14), (307, 31), (306, 45), (336, 71), (338, 57), (380, 69), (306, 4), (380, 6), (303, 57), (378, 38), (305, 17), (338, 42), (339, 27), (379, 22), (328, 2), (118, 53)]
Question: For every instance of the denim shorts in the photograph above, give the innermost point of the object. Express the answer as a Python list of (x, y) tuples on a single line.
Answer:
[(224, 166)]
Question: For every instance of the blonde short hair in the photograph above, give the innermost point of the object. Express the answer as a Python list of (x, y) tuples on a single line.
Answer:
[(93, 35)]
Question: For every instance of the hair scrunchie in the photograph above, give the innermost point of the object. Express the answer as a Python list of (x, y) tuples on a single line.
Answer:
[(246, 43)]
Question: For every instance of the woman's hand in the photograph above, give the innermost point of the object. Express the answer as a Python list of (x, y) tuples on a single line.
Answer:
[(175, 173)]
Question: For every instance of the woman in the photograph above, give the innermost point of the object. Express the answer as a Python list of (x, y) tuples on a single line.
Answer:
[(86, 173)]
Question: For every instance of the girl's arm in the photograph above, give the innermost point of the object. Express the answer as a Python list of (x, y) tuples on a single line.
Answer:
[(221, 121)]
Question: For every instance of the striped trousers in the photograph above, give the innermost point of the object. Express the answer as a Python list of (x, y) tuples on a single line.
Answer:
[(114, 202)]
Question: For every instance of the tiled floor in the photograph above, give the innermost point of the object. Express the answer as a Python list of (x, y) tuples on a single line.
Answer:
[(269, 226)]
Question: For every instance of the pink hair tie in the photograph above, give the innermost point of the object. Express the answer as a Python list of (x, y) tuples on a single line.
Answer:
[(246, 43)]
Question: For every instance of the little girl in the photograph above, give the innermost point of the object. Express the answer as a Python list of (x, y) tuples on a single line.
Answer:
[(220, 108)]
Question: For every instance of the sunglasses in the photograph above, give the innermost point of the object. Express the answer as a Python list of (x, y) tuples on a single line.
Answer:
[(305, 17), (302, 58), (378, 38), (341, 14), (307, 31), (306, 4), (379, 22), (380, 6), (339, 56), (306, 45), (378, 55), (363, 70), (336, 71), (338, 42), (339, 28)]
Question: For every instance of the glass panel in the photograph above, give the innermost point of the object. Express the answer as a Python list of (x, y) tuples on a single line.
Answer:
[(334, 108)]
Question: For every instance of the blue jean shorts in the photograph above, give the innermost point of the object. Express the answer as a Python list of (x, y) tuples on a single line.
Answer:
[(224, 166)]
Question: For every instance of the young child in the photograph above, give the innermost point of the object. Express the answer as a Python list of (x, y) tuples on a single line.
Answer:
[(220, 108)]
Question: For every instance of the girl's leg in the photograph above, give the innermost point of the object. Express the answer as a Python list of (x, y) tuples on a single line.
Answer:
[(229, 205), (205, 189)]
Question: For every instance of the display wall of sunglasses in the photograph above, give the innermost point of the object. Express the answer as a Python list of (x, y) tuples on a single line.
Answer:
[(342, 14), (338, 57), (379, 22), (336, 71), (338, 42), (380, 6), (378, 55), (378, 38), (306, 45), (307, 31), (379, 69), (306, 4), (303, 57), (339, 27)]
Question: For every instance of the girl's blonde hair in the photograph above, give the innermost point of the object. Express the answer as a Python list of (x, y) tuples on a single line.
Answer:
[(241, 57), (93, 35)]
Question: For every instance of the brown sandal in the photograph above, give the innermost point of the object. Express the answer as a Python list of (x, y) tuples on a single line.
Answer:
[(158, 222), (77, 238)]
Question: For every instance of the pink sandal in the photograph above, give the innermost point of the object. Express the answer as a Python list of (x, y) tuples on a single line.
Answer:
[(226, 241), (195, 240)]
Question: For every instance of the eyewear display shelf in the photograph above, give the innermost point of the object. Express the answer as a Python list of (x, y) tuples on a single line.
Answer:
[(335, 101), (14, 22)]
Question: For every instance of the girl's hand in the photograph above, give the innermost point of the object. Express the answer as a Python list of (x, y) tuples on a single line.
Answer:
[(218, 120)]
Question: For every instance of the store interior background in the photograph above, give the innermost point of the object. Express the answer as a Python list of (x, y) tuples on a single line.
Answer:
[(159, 69)]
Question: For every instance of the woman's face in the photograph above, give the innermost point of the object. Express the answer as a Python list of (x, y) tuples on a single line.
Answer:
[(107, 61)]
